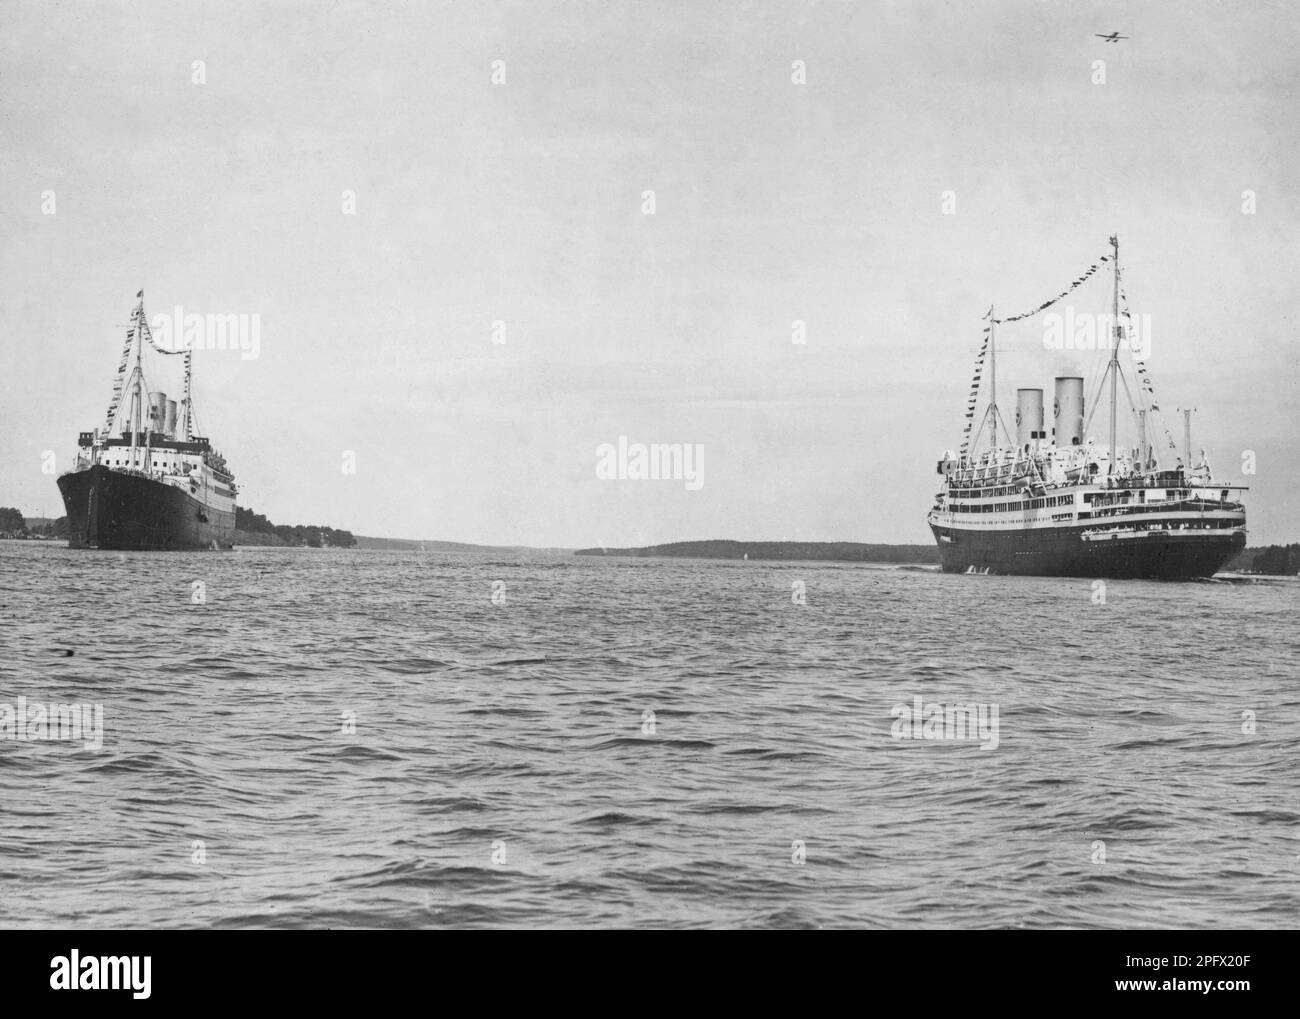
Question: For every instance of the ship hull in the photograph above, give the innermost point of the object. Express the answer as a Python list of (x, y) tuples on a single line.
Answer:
[(111, 509), (1065, 552)]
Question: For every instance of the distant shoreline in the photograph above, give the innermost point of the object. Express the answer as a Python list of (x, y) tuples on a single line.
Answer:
[(1254, 561), (776, 551)]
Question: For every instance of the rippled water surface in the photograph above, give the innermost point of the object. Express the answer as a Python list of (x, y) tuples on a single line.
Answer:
[(640, 743)]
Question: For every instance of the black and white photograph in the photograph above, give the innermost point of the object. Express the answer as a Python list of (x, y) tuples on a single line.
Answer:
[(650, 464)]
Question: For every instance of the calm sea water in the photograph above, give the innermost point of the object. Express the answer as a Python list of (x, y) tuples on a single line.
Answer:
[(366, 739)]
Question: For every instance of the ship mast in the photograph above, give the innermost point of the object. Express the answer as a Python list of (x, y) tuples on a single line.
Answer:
[(137, 378), (1114, 352), (993, 381)]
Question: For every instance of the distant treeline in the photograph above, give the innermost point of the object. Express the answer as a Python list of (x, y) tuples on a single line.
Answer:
[(310, 535), (254, 526), (851, 551), (13, 525), (1277, 559)]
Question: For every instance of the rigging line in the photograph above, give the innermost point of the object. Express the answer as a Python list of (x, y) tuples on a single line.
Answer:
[(1074, 285), (976, 382), (119, 383), (1132, 407), (1005, 430), (983, 422), (1095, 400), (1154, 407)]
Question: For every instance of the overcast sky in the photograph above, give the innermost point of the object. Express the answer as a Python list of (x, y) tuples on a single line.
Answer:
[(523, 203)]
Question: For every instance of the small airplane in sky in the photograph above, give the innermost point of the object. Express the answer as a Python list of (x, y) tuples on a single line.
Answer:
[(1113, 37)]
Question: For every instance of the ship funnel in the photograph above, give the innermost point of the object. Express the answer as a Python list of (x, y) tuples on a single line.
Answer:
[(170, 428), (1068, 412), (1029, 418), (157, 412)]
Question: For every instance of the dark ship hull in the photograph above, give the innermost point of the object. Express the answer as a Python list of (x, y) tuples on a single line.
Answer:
[(1064, 552), (111, 509)]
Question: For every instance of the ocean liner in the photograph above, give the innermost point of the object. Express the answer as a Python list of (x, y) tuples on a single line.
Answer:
[(147, 481), (1062, 504)]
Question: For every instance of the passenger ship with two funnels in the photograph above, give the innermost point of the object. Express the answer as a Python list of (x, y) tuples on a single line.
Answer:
[(147, 481), (1063, 505)]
